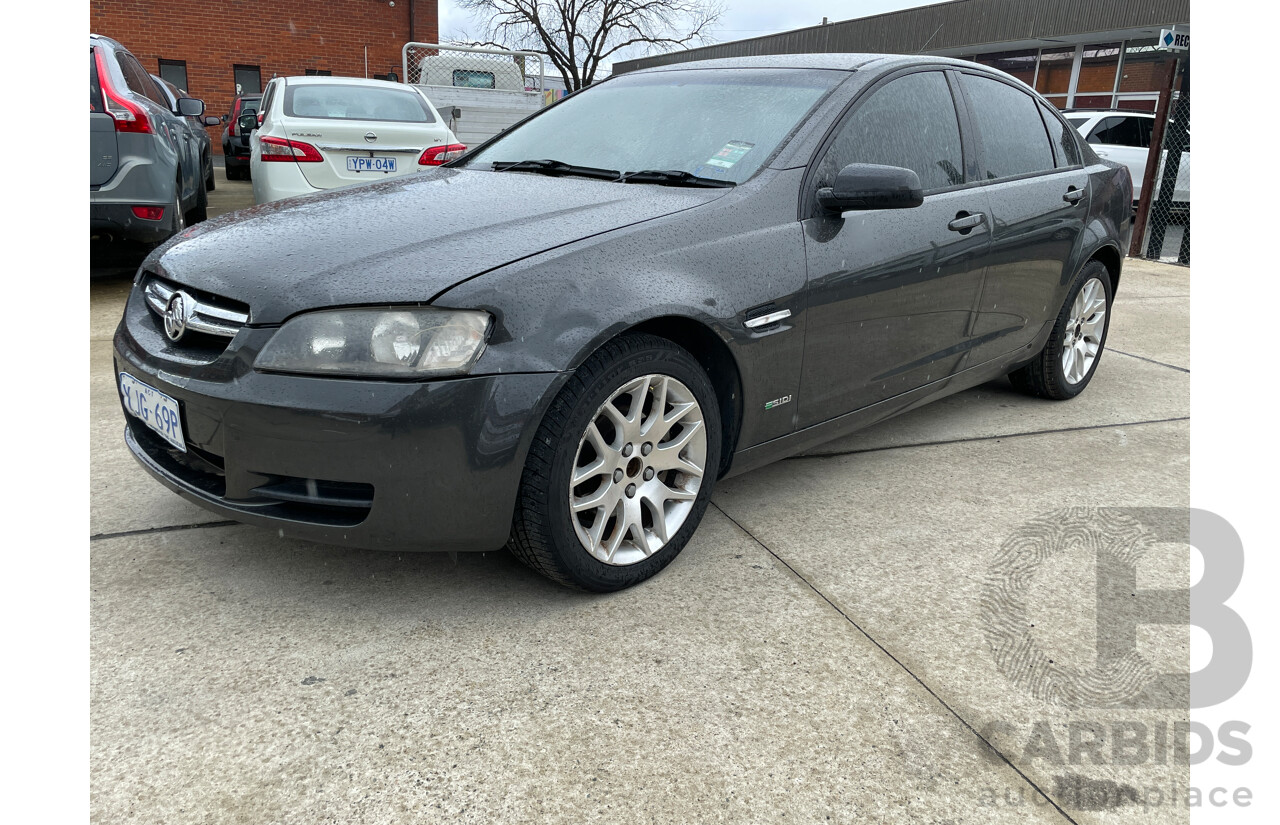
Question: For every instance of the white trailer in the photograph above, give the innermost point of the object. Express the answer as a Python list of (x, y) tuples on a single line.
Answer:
[(479, 91)]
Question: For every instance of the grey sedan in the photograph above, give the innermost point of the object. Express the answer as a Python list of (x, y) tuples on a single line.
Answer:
[(561, 340)]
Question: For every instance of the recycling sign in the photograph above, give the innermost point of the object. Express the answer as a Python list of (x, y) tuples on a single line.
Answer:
[(1174, 41)]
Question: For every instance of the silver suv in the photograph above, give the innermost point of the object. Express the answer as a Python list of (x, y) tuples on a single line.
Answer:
[(146, 176)]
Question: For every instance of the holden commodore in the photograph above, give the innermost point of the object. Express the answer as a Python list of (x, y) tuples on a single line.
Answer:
[(561, 340)]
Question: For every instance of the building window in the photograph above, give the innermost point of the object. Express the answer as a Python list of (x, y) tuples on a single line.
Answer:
[(1054, 76), (319, 73), (1020, 64), (174, 71), (248, 80)]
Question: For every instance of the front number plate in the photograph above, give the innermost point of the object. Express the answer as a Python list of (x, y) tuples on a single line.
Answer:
[(153, 408), (361, 164)]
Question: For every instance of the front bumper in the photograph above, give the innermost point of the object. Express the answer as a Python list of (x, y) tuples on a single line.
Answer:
[(374, 464)]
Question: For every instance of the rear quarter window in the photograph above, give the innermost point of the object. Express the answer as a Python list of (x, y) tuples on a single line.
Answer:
[(1066, 152)]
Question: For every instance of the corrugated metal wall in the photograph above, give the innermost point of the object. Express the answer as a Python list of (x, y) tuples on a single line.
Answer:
[(945, 26)]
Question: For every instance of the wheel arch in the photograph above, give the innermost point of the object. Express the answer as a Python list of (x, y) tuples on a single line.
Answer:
[(1110, 257), (715, 358)]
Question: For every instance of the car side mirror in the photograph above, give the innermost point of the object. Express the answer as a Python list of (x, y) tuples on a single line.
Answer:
[(224, 118), (190, 107), (247, 123), (871, 186), (211, 120)]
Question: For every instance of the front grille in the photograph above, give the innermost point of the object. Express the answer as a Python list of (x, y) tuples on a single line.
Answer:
[(202, 312)]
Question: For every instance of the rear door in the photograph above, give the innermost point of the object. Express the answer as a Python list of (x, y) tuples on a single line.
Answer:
[(891, 292), (364, 133), (1039, 198), (103, 158)]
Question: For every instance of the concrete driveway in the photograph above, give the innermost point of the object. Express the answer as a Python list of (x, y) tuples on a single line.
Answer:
[(825, 650)]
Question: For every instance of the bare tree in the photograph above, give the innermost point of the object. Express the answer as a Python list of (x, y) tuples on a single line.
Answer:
[(577, 36)]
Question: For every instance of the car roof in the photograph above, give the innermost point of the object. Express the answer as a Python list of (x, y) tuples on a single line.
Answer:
[(1092, 112), (330, 80), (102, 38), (838, 61)]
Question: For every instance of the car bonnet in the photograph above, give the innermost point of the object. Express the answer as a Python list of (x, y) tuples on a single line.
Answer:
[(402, 241)]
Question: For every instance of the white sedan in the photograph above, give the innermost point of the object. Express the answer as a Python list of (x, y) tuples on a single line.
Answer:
[(319, 133)]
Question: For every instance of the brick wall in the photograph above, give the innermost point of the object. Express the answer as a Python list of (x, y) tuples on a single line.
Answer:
[(280, 38)]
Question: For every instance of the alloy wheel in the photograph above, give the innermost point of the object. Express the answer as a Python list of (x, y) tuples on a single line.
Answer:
[(637, 470), (1085, 326)]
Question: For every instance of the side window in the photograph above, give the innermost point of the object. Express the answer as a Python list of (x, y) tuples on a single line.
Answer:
[(1121, 131), (1066, 152), (1014, 140), (909, 122)]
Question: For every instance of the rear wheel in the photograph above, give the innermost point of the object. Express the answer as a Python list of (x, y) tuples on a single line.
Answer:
[(1066, 364), (621, 469)]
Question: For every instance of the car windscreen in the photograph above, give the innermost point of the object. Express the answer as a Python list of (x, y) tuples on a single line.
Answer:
[(1077, 122), (714, 123), (342, 102)]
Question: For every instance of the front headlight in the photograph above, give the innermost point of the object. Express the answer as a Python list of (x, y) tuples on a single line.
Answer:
[(415, 342)]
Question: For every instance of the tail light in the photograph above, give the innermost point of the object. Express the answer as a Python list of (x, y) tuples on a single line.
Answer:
[(129, 116), (280, 149), (436, 155), (234, 128), (149, 213)]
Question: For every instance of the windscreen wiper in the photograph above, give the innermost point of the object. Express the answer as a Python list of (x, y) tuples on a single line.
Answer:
[(554, 167), (673, 177)]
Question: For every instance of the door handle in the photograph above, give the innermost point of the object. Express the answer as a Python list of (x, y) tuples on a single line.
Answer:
[(1073, 195), (965, 222)]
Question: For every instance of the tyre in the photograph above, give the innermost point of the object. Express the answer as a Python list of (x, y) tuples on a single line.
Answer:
[(179, 218), (1068, 361), (209, 183), (621, 469), (201, 210)]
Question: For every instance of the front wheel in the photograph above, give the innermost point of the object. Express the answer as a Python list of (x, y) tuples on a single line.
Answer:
[(621, 469), (1069, 359)]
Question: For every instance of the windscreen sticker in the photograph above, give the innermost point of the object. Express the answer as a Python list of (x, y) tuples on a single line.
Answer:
[(732, 152)]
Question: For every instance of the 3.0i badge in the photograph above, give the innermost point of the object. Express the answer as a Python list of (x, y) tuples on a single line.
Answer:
[(777, 402)]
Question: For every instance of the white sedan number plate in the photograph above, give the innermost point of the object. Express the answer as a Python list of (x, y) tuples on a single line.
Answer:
[(362, 164), (155, 409)]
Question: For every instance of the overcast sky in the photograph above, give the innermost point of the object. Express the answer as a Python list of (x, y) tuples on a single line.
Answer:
[(742, 18)]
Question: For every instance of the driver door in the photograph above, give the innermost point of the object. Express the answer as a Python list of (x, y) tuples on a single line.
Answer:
[(892, 293)]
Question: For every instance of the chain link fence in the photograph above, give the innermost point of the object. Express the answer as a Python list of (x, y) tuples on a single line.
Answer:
[(1168, 220), (470, 67)]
